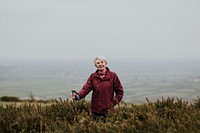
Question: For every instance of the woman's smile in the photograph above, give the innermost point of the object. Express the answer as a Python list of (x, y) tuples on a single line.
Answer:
[(100, 65)]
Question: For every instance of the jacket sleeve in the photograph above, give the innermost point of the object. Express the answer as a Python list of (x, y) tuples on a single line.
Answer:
[(118, 89), (87, 87)]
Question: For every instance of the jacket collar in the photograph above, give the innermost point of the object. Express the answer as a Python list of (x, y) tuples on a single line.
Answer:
[(107, 76)]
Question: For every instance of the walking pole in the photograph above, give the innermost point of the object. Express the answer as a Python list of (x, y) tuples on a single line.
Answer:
[(74, 103)]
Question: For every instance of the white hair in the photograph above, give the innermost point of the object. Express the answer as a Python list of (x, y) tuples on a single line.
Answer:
[(102, 58)]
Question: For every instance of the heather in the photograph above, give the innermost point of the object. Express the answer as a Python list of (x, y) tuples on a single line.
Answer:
[(61, 116)]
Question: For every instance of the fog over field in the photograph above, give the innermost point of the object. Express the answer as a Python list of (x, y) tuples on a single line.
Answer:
[(47, 47)]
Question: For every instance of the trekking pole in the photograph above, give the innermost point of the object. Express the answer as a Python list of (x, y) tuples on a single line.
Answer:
[(74, 103)]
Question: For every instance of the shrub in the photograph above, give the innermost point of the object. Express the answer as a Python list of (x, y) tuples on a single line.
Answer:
[(10, 99), (167, 115)]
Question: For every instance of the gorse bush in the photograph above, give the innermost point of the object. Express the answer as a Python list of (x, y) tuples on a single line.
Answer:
[(65, 116)]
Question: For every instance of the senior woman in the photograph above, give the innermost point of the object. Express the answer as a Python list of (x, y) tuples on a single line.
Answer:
[(107, 90)]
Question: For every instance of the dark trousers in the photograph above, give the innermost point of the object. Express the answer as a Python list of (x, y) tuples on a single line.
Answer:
[(97, 116)]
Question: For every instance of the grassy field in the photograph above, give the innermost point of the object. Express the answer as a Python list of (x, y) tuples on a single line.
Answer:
[(63, 116)]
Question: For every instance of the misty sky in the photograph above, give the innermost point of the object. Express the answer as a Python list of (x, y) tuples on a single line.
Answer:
[(79, 29)]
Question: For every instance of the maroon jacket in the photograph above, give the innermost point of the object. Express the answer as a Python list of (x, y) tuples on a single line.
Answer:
[(107, 92)]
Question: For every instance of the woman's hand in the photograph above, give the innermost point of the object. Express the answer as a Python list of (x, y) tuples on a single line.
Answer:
[(75, 95), (115, 101)]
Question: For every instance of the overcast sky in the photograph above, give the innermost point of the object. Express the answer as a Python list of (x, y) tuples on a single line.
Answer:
[(80, 29)]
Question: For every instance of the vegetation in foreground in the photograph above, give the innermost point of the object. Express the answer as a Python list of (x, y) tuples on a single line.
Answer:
[(63, 116)]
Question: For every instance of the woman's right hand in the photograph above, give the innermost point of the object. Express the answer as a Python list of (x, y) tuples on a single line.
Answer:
[(73, 97)]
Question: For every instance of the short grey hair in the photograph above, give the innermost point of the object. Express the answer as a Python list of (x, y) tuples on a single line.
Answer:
[(100, 58)]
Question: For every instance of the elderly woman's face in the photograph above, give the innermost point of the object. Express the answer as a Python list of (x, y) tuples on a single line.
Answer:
[(100, 65)]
